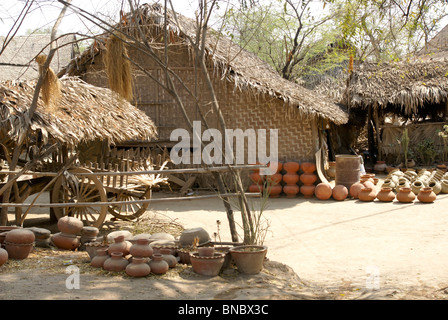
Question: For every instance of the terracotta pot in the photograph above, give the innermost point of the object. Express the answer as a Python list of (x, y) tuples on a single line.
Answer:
[(207, 266), (367, 194), (291, 167), (141, 248), (380, 166), (93, 247), (256, 178), (19, 243), (331, 171), (184, 256), (386, 194), (275, 190), (277, 166), (323, 191), (307, 190), (99, 259), (3, 256), (426, 195), (138, 268), (70, 225), (255, 188), (340, 192), (355, 189), (308, 178), (249, 259), (290, 178), (291, 190), (308, 167), (66, 241), (405, 195), (158, 265), (416, 186), (120, 245), (206, 251), (116, 262), (168, 257), (275, 178), (444, 186)]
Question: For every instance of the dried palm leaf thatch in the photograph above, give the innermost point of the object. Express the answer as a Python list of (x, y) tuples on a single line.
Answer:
[(51, 86), (118, 67), (84, 113), (227, 60)]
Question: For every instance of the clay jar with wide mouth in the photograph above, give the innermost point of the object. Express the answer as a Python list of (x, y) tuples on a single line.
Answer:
[(120, 245), (386, 194), (138, 268), (405, 195), (367, 194), (158, 265), (426, 195), (19, 243), (141, 248), (116, 262)]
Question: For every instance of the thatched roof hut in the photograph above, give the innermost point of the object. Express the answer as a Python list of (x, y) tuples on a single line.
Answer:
[(229, 61), (84, 113)]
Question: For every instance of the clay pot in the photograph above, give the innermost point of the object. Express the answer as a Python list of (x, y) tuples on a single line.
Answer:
[(207, 266), (120, 245), (386, 194), (206, 251), (367, 194), (187, 236), (416, 186), (380, 166), (275, 166), (19, 243), (141, 248), (158, 265), (275, 190), (255, 188), (323, 191), (340, 192), (436, 186), (290, 178), (116, 262), (168, 257), (369, 183), (93, 247), (355, 189), (426, 195), (444, 186), (3, 256), (256, 178), (291, 167), (70, 225), (184, 256), (138, 268), (249, 259), (331, 171), (99, 259), (308, 167), (291, 190), (308, 178), (388, 183), (307, 190), (405, 195), (275, 178), (66, 241)]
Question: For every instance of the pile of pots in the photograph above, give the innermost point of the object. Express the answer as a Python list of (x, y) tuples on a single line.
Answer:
[(416, 180)]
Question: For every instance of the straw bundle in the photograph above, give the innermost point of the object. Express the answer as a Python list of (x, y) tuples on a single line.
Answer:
[(118, 67), (51, 86)]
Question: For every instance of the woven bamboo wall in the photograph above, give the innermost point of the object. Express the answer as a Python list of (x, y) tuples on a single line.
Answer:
[(242, 109)]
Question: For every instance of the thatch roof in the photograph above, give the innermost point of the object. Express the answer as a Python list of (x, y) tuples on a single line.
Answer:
[(21, 51), (232, 62), (405, 86), (84, 113)]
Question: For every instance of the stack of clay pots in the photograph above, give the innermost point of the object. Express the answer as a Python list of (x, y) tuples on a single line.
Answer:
[(69, 236), (291, 178), (273, 182), (135, 255), (308, 178)]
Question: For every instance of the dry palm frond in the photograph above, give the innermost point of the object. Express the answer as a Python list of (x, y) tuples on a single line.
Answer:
[(118, 67), (51, 86)]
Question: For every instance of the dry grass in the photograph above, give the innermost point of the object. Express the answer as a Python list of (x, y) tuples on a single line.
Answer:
[(118, 67), (51, 86)]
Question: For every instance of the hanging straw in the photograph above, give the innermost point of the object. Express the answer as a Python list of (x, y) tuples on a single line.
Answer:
[(51, 86)]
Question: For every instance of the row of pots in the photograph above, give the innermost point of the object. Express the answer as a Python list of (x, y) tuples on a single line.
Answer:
[(437, 180)]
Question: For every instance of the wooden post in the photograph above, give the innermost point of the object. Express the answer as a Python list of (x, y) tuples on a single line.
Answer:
[(377, 129)]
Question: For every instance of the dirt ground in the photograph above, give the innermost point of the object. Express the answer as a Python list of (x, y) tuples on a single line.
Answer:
[(316, 250)]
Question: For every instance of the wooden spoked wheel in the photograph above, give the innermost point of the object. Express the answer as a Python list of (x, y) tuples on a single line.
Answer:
[(130, 211), (72, 188)]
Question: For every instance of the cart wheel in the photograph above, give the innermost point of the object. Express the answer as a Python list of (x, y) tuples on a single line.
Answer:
[(130, 211), (77, 189)]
